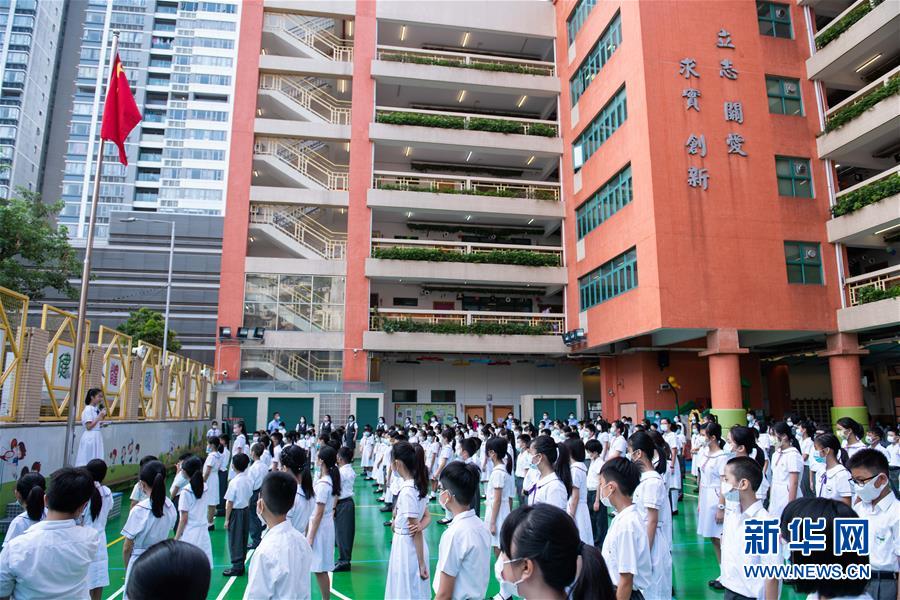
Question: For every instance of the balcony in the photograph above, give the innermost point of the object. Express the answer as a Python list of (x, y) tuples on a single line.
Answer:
[(874, 301), (467, 121), (865, 210)]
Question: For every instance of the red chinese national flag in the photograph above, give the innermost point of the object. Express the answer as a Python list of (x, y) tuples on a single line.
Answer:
[(120, 113)]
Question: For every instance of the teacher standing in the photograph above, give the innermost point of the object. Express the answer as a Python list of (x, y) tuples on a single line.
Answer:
[(91, 444)]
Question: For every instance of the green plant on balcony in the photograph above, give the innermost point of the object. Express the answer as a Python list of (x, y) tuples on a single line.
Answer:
[(542, 129), (845, 23), (421, 120), (523, 258), (866, 195), (862, 104), (411, 326), (461, 64), (495, 125), (870, 293)]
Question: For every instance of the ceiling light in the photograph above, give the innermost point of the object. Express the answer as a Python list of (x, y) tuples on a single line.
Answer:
[(530, 160), (342, 85), (343, 210), (347, 147), (349, 28), (521, 101), (531, 221), (402, 33), (469, 156), (468, 217), (409, 215), (868, 63), (408, 151), (264, 51), (255, 173), (465, 39), (880, 231), (258, 112), (252, 239), (461, 95)]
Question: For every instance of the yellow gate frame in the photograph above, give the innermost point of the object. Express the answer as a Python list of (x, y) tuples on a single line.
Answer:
[(60, 325), (116, 347), (13, 313)]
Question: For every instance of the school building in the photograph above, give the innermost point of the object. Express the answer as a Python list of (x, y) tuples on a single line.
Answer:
[(424, 200)]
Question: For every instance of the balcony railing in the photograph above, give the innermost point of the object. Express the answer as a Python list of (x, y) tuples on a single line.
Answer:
[(844, 112), (476, 186), (309, 163), (867, 192), (411, 320), (435, 251), (874, 286), (325, 43), (457, 120), (465, 61), (845, 21), (307, 96)]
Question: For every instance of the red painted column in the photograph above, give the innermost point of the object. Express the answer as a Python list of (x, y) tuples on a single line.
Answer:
[(779, 384), (356, 320), (724, 350), (240, 172), (846, 377)]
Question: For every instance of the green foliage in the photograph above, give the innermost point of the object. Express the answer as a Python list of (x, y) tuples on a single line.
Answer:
[(866, 195), (870, 293), (454, 122), (499, 172), (422, 120), (862, 104), (411, 326), (34, 253), (542, 129), (538, 194), (497, 232), (148, 325), (838, 29), (497, 257), (461, 64)]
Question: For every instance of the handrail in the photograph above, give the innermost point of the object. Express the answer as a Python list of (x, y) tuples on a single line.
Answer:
[(304, 230), (873, 275), (883, 279), (309, 163), (322, 42), (859, 94), (870, 180), (465, 247), (556, 321), (469, 116), (513, 188), (468, 59), (323, 104)]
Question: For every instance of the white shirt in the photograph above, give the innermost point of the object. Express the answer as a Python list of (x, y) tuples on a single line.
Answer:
[(807, 449), (894, 455), (834, 483), (465, 553), (551, 490), (734, 558), (256, 473), (280, 566), (593, 474), (618, 444), (212, 432), (224, 458), (884, 531), (19, 525), (348, 477), (50, 560), (240, 444), (145, 528), (240, 488), (301, 511), (522, 463), (137, 492), (625, 548)]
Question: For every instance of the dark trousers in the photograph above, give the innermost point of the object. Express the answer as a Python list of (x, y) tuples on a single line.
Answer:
[(223, 487), (599, 519), (238, 529), (681, 464), (729, 595), (256, 527), (519, 481), (804, 483), (345, 528)]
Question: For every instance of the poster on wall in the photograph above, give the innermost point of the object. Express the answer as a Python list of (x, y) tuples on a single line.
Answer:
[(113, 375), (147, 382), (60, 369), (422, 412)]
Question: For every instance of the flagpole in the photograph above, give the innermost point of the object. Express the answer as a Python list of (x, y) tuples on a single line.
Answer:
[(74, 398)]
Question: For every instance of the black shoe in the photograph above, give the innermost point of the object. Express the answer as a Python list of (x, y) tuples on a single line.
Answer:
[(211, 528), (252, 546), (388, 523), (232, 572), (716, 585), (444, 521), (341, 567), (386, 508)]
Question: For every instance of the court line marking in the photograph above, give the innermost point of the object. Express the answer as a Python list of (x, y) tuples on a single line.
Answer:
[(334, 591), (117, 594), (233, 578), (114, 542)]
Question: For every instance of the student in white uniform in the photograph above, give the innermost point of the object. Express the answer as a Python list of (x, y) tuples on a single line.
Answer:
[(597, 511), (192, 525), (345, 510), (577, 507), (30, 494), (52, 558), (552, 463), (618, 445), (741, 480), (278, 567), (168, 566), (893, 446), (673, 469), (255, 473), (150, 520), (851, 434), (523, 460), (807, 433), (90, 445), (873, 439), (500, 488), (367, 460), (743, 443), (213, 430), (698, 450), (625, 547), (224, 467), (652, 500), (877, 504), (541, 556), (408, 568), (833, 480), (95, 516), (320, 533), (237, 515), (787, 468), (137, 492), (464, 555), (295, 461), (211, 478), (240, 445)]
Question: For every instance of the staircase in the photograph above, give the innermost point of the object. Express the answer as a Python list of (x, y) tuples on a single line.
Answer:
[(301, 368), (306, 96), (308, 167), (310, 36), (295, 223)]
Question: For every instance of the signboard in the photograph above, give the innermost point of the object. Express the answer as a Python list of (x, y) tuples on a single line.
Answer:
[(112, 374), (63, 362), (147, 382)]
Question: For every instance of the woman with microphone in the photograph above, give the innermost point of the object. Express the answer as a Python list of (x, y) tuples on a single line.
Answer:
[(91, 444)]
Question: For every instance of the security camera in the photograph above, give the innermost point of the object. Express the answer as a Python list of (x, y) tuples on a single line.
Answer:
[(224, 374)]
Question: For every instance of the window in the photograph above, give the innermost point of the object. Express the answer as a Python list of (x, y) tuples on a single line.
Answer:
[(404, 395), (794, 178), (774, 19), (599, 55), (784, 95), (804, 262), (612, 279), (443, 396), (294, 302), (607, 121), (605, 202), (408, 302), (578, 17)]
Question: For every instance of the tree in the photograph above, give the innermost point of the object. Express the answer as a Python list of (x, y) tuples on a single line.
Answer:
[(148, 325), (34, 253)]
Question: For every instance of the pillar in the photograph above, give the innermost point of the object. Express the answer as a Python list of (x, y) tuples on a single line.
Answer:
[(779, 385), (30, 372), (162, 394), (843, 352), (723, 351), (184, 398)]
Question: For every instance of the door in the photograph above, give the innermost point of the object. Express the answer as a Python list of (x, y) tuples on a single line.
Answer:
[(366, 413), (473, 411), (500, 413), (243, 409), (556, 408), (291, 409), (444, 305)]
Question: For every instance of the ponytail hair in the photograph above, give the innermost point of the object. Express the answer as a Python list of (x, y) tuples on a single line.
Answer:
[(852, 425), (829, 440), (31, 487), (413, 458), (746, 437), (193, 468), (328, 456), (153, 474), (296, 460), (663, 450), (499, 446), (558, 457), (97, 468), (714, 430), (641, 440), (782, 428)]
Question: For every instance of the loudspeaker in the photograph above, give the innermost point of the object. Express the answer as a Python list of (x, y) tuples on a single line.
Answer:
[(662, 359)]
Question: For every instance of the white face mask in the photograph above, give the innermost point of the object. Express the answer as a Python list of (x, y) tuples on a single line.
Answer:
[(498, 573), (605, 501), (441, 500), (729, 492), (664, 427), (869, 491)]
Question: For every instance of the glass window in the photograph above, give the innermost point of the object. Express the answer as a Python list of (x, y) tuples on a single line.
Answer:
[(607, 121), (612, 196), (443, 396), (599, 55), (613, 278), (804, 262), (794, 177), (578, 17), (404, 395), (294, 302), (774, 19), (784, 95)]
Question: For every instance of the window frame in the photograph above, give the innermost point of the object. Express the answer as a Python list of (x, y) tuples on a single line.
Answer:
[(782, 96), (804, 263), (793, 177), (611, 279), (605, 123), (773, 21), (613, 195), (596, 58)]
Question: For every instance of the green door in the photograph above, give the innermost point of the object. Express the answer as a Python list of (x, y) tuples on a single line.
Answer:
[(557, 408), (292, 409), (564, 406), (544, 405), (244, 409), (366, 413)]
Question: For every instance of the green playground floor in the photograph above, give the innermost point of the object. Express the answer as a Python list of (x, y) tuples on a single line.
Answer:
[(694, 558)]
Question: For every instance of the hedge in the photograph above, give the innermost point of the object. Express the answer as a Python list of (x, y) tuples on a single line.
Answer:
[(539, 194), (866, 195), (836, 30), (411, 326), (523, 258), (870, 293), (454, 122), (444, 62), (851, 111)]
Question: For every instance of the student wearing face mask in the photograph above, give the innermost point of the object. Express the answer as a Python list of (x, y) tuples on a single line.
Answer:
[(618, 446), (652, 500), (893, 448), (625, 548), (577, 507), (807, 433), (408, 568), (873, 439), (833, 480), (554, 486), (787, 467), (877, 504), (542, 557), (743, 443), (698, 450), (710, 513), (368, 452), (673, 471), (850, 433)]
